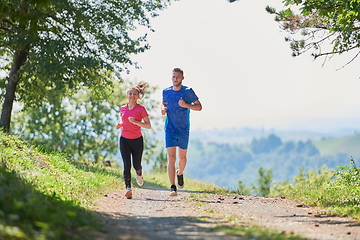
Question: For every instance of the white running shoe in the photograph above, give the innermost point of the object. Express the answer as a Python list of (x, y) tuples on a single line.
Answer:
[(173, 192), (128, 193), (140, 180)]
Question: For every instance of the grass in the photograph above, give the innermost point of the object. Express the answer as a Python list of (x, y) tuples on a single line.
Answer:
[(235, 228), (337, 191), (46, 196)]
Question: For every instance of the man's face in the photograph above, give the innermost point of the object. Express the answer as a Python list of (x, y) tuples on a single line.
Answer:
[(177, 79)]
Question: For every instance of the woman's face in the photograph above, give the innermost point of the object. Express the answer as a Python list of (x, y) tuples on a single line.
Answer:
[(132, 95)]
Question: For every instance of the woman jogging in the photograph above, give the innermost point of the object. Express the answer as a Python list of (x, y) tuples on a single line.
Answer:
[(131, 143)]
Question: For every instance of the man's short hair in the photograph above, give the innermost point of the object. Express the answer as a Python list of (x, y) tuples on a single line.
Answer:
[(178, 70)]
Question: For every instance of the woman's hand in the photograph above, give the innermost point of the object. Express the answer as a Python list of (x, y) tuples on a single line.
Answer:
[(132, 120), (119, 125)]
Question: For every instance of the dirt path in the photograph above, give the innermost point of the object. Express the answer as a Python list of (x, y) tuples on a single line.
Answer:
[(153, 215)]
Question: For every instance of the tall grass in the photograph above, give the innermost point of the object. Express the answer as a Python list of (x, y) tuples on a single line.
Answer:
[(336, 190), (45, 196)]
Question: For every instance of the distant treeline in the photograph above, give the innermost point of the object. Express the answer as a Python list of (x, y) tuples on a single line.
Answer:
[(225, 164)]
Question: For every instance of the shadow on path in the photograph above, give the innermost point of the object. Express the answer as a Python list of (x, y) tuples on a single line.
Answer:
[(159, 228)]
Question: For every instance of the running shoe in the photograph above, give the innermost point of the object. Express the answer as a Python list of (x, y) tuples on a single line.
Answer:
[(128, 193), (140, 180), (173, 190), (180, 180)]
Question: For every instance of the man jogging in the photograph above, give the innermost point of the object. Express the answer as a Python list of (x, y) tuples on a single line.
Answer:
[(177, 101)]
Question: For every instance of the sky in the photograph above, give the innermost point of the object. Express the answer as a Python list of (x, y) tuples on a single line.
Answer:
[(235, 58)]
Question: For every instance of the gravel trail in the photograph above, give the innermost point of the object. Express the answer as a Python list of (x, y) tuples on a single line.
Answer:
[(153, 215)]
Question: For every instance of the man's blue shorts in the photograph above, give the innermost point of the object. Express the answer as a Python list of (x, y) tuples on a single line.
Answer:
[(180, 140)]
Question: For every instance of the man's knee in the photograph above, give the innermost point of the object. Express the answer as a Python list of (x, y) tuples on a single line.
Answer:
[(182, 158), (171, 159)]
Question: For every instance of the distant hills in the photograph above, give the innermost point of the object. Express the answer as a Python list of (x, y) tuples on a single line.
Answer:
[(349, 145), (225, 156), (245, 135)]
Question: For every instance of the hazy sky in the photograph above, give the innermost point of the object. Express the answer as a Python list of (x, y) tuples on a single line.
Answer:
[(235, 58)]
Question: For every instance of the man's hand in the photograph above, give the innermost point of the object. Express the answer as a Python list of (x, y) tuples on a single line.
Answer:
[(182, 103), (163, 111)]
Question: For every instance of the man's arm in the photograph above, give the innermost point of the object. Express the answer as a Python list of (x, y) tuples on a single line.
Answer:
[(163, 109), (196, 106)]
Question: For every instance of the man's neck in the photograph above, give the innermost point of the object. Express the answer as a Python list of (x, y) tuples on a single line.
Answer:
[(177, 88)]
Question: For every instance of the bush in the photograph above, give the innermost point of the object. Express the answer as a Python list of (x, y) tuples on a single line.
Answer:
[(337, 190)]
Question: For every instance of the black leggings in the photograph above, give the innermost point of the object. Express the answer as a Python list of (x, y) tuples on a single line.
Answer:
[(134, 148)]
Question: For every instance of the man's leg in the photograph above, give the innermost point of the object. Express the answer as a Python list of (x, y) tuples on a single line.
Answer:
[(180, 171), (171, 151), (182, 160)]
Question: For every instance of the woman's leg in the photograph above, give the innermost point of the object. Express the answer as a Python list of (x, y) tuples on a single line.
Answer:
[(125, 151), (137, 147)]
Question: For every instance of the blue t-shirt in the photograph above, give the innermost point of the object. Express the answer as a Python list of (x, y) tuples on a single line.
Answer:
[(177, 118)]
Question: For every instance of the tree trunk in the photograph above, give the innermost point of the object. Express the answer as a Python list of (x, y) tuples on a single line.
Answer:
[(20, 58)]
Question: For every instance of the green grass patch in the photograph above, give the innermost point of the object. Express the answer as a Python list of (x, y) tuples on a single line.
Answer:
[(45, 196), (254, 232), (337, 191), (238, 227)]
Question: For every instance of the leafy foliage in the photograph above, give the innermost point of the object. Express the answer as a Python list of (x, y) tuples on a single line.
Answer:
[(242, 189), (160, 163), (83, 126), (316, 23), (264, 182), (51, 48), (338, 190)]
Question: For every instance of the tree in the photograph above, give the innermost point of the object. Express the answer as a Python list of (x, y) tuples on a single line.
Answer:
[(320, 22), (51, 48), (160, 163), (82, 127), (242, 189), (265, 145), (264, 182)]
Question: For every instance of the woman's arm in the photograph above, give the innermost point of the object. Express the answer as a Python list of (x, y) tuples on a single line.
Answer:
[(144, 124)]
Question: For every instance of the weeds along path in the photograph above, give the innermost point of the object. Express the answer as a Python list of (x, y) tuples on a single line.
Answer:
[(153, 215)]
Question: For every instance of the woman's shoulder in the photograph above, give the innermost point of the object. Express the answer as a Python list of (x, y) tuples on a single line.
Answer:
[(141, 107)]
